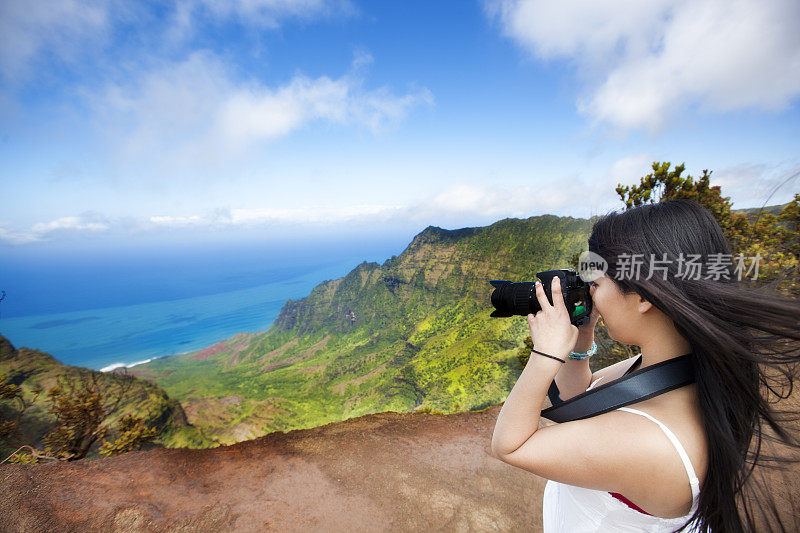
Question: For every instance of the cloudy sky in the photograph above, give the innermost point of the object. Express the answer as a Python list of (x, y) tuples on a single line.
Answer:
[(143, 120)]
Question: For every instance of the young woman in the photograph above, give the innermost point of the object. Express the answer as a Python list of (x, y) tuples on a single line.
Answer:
[(680, 460)]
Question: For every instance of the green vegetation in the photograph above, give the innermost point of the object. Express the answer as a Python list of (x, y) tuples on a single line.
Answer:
[(413, 333), (132, 432), (69, 412)]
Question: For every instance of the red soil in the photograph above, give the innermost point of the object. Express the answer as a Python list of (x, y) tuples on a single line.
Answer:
[(214, 349), (380, 472)]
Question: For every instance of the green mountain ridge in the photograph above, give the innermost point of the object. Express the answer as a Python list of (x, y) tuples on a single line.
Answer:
[(28, 368), (411, 333), (768, 209)]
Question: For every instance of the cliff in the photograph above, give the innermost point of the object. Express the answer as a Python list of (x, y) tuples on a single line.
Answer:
[(411, 333)]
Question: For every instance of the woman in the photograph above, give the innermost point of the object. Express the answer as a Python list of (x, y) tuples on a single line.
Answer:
[(680, 459)]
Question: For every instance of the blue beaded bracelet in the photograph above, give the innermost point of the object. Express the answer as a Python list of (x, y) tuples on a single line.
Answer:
[(586, 355)]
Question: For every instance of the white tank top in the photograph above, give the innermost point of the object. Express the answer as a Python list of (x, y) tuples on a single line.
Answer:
[(567, 508)]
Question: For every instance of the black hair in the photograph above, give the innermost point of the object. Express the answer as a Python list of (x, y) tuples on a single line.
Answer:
[(745, 341)]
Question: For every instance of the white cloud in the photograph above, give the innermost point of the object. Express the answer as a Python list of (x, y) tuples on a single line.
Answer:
[(70, 223), (585, 30), (751, 185), (196, 112), (628, 170), (308, 215), (460, 199), (459, 203), (260, 13), (456, 205), (453, 205), (361, 58), (270, 12), (235, 219), (88, 222), (175, 221), (251, 217), (646, 63), (58, 27), (8, 236)]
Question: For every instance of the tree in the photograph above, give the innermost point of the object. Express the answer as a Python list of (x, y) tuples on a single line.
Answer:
[(132, 434), (524, 353), (83, 410), (773, 238), (9, 429), (666, 184)]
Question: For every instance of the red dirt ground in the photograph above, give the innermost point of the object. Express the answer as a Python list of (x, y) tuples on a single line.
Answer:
[(380, 472)]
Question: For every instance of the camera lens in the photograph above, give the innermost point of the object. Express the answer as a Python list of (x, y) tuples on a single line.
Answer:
[(511, 299)]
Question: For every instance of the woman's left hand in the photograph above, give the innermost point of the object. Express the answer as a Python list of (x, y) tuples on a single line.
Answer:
[(588, 328), (551, 329)]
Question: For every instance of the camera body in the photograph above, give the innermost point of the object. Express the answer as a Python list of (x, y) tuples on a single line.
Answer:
[(519, 299)]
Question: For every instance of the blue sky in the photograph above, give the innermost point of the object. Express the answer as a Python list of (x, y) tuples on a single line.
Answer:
[(133, 122)]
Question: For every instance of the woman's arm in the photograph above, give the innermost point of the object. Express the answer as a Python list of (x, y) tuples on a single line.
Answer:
[(553, 334), (609, 452), (614, 371), (575, 375), (519, 417)]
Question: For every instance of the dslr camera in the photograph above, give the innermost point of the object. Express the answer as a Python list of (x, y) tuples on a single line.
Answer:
[(510, 299)]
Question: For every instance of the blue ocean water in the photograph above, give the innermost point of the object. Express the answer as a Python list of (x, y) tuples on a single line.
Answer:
[(126, 306)]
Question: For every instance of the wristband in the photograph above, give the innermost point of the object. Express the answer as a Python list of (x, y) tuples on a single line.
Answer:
[(550, 356), (584, 355)]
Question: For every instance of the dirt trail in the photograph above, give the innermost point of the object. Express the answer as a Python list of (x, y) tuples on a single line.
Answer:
[(381, 472)]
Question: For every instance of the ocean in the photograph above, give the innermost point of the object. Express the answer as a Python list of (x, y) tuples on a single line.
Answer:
[(106, 308)]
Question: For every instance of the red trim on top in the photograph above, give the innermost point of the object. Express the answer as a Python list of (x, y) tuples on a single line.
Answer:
[(629, 503)]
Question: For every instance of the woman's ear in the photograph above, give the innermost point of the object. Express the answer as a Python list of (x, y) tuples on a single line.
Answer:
[(643, 305)]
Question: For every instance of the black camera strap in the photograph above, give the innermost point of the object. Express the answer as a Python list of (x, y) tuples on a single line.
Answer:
[(632, 387)]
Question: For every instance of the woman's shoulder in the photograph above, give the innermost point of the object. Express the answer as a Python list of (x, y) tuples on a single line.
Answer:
[(680, 415)]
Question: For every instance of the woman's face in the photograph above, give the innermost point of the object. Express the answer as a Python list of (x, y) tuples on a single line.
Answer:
[(620, 311)]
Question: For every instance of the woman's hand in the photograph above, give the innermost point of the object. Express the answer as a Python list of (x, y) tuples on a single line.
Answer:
[(551, 330), (588, 328)]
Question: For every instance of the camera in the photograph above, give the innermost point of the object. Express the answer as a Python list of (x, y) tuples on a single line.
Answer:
[(510, 299)]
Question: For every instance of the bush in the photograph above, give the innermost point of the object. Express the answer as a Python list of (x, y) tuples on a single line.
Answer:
[(83, 411)]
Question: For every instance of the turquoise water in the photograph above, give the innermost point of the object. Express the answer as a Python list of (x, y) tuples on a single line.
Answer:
[(157, 315), (127, 334)]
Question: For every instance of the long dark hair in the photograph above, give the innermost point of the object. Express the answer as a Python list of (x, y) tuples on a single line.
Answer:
[(745, 340)]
